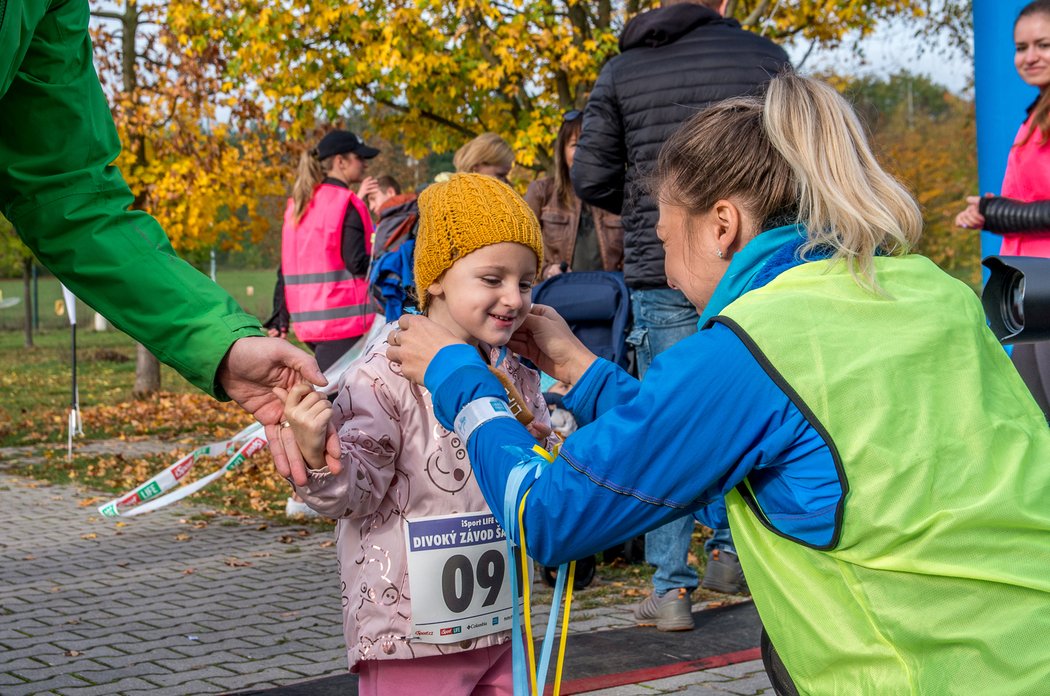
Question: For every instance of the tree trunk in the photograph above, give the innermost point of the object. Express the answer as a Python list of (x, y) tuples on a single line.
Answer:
[(27, 297), (147, 373)]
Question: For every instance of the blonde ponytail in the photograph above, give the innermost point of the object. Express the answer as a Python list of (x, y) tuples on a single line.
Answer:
[(799, 154), (846, 200), (307, 176)]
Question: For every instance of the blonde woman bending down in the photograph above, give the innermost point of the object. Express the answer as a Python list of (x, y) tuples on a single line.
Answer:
[(868, 433)]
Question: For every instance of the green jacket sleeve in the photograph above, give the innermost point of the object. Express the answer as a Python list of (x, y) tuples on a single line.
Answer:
[(70, 206)]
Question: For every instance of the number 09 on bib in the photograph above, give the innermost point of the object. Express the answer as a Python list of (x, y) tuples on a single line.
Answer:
[(459, 577)]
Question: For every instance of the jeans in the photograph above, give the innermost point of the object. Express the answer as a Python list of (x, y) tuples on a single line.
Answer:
[(662, 317)]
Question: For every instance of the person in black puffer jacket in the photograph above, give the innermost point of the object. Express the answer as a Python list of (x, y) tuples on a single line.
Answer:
[(673, 61)]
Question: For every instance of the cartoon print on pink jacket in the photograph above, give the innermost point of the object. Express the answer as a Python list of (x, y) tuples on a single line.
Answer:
[(399, 463)]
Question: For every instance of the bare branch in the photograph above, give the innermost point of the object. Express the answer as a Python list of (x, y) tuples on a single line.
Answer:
[(756, 16), (430, 116), (103, 14), (812, 45)]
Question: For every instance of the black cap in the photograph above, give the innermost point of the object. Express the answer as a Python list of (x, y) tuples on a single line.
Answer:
[(339, 142)]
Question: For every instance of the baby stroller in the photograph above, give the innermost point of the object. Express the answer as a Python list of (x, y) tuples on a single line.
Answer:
[(597, 308)]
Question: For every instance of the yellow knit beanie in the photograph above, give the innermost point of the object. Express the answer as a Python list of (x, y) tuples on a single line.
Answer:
[(463, 214)]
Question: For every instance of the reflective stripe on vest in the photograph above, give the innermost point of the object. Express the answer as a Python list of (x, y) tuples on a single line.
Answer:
[(325, 301), (938, 582)]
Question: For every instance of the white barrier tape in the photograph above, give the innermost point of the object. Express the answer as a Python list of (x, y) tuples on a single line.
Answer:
[(147, 497), (242, 445)]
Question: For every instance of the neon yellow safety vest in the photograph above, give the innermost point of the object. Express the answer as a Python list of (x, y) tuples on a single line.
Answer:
[(938, 581)]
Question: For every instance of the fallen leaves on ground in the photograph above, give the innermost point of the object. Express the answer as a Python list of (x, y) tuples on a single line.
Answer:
[(166, 415)]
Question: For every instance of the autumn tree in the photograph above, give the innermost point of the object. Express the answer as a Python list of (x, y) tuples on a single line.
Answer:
[(16, 258), (926, 136), (192, 156), (432, 74)]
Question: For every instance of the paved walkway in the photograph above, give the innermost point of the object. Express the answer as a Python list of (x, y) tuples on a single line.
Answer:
[(173, 602)]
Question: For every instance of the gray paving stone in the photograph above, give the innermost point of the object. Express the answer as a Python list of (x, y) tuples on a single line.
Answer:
[(262, 677), (740, 669), (266, 652), (195, 676), (123, 660), (333, 642), (755, 684), (19, 664), (35, 686), (230, 661), (7, 678), (712, 690), (122, 686), (43, 652), (627, 690), (684, 680), (293, 663), (316, 670), (100, 673), (54, 668), (197, 649)]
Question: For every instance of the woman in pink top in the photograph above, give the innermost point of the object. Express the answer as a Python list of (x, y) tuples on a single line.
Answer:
[(425, 576), (1027, 176)]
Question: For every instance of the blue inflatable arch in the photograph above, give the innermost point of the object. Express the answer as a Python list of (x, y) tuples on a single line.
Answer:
[(1001, 95)]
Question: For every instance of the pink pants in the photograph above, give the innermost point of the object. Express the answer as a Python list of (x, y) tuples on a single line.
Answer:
[(481, 672)]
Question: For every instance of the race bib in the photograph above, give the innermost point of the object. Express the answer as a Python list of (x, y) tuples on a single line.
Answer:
[(459, 577)]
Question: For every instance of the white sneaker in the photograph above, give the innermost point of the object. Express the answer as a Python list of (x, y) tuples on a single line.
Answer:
[(298, 508)]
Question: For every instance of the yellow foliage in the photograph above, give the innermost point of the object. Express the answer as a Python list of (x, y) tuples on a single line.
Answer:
[(193, 154), (430, 74)]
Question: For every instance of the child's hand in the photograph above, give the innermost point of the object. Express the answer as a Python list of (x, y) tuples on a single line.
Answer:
[(308, 413)]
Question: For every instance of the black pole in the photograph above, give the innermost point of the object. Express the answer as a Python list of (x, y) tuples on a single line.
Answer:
[(36, 300), (74, 403)]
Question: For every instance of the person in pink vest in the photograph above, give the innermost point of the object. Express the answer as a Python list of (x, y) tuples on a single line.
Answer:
[(1027, 177), (326, 244)]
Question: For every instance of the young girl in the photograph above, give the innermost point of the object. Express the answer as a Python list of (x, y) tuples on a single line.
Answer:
[(406, 577)]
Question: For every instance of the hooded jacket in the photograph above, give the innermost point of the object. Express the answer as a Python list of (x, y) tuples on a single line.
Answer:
[(673, 61)]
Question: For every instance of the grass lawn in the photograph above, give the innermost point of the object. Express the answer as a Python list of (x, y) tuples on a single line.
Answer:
[(253, 289), (36, 383)]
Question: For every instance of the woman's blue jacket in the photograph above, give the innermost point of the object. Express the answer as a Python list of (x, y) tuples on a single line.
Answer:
[(705, 416)]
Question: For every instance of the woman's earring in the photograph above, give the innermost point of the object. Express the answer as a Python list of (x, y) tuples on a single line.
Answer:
[(720, 254)]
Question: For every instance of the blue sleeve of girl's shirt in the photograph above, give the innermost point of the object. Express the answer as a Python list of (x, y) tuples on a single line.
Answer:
[(705, 416)]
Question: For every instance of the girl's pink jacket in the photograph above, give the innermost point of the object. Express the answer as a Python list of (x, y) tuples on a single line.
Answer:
[(398, 463)]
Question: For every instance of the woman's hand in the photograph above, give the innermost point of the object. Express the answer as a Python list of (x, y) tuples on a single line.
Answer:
[(546, 340), (249, 373), (971, 218), (415, 342)]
